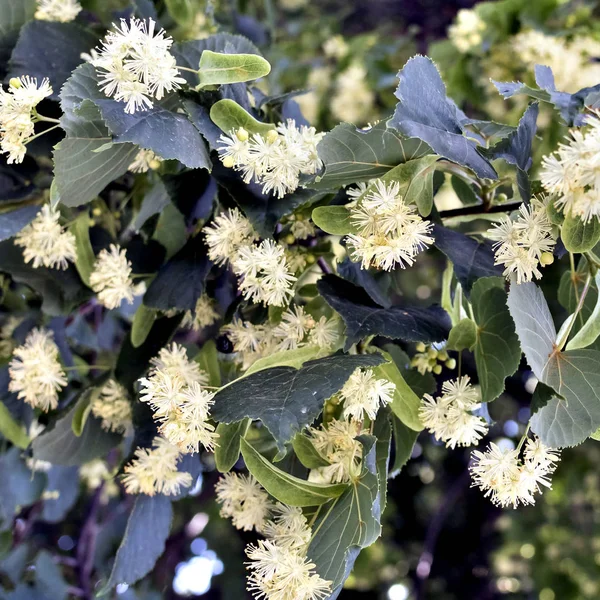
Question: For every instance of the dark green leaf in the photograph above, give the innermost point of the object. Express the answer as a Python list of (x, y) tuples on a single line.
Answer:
[(376, 283), (404, 442), (50, 49), (472, 259), (541, 396), (227, 451), (85, 253), (65, 482), (285, 487), (364, 318), (426, 113), (13, 15), (170, 230), (307, 454), (154, 202), (350, 155), (287, 399), (578, 236), (463, 335), (147, 530), (180, 282), (497, 350), (12, 222), (49, 578), (142, 324), (208, 360), (82, 410), (168, 134)]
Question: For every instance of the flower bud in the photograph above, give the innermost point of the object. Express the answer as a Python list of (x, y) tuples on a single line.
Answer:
[(272, 136), (546, 258), (437, 369), (289, 239), (228, 162), (15, 82), (154, 164), (242, 135), (450, 363), (421, 347)]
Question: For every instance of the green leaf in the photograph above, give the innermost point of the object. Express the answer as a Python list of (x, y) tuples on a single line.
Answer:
[(82, 410), (61, 446), (147, 531), (416, 177), (218, 68), (13, 15), (208, 360), (333, 219), (49, 577), (404, 442), (227, 451), (86, 161), (183, 11), (590, 331), (285, 487), (350, 155), (541, 396), (287, 399), (596, 435), (348, 523), (405, 403), (13, 431), (463, 335), (285, 358), (12, 222), (170, 230), (363, 318), (141, 325), (578, 236), (85, 253), (228, 115), (307, 453), (497, 350)]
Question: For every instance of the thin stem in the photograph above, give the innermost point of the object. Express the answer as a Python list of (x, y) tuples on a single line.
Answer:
[(37, 135), (459, 368), (87, 367), (523, 438), (46, 119), (565, 336), (188, 69), (480, 209)]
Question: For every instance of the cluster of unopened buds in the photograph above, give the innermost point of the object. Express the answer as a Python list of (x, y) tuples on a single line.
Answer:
[(429, 359)]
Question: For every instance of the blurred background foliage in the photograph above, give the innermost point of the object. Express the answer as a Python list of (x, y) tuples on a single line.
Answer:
[(441, 539)]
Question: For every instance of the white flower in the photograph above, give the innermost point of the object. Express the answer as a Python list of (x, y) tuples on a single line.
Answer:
[(449, 417), (292, 329), (510, 481), (7, 344), (280, 573), (17, 115), (353, 100), (57, 10), (204, 315), (144, 161), (524, 244), (390, 232), (276, 160), (363, 393), (173, 360), (154, 471), (135, 65), (35, 371), (187, 427), (302, 229), (45, 242), (244, 501), (113, 407), (466, 32), (325, 333), (226, 234), (335, 47), (265, 274), (111, 278), (288, 528), (336, 442), (250, 341)]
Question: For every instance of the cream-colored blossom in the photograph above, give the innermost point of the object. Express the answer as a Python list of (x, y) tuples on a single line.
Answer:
[(325, 332), (112, 405), (353, 100), (135, 66), (227, 233), (111, 278), (45, 242), (35, 371), (62, 11), (244, 501), (467, 30), (363, 394), (294, 325), (154, 470), (144, 161), (204, 315), (7, 343)]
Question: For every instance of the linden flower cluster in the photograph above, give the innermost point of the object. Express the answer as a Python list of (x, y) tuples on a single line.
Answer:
[(18, 115), (389, 232), (154, 470), (295, 330), (113, 407), (144, 161), (62, 11), (430, 359), (363, 394), (353, 100), (466, 32), (336, 442), (509, 480), (204, 314), (571, 173), (111, 278), (174, 391), (279, 567), (35, 371), (45, 242), (523, 244), (275, 160), (135, 65), (228, 232), (450, 417)]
